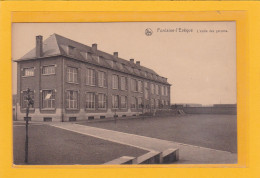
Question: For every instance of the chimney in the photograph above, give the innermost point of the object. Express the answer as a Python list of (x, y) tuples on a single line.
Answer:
[(94, 47), (132, 60), (115, 54), (39, 46), (138, 63)]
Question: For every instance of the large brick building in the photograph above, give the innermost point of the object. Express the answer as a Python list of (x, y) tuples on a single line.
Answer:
[(72, 81)]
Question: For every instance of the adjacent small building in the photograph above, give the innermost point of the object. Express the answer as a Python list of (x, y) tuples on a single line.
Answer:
[(71, 81)]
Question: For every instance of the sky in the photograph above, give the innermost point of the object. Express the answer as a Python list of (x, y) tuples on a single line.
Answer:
[(197, 58)]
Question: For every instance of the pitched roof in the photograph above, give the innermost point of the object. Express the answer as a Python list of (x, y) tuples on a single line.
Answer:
[(58, 45)]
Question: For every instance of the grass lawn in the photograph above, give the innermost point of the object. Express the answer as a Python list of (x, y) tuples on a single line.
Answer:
[(50, 145), (211, 131)]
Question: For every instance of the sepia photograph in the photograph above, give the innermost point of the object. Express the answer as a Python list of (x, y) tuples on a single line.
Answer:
[(124, 93)]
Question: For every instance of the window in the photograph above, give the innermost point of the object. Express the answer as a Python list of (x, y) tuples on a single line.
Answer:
[(27, 72), (156, 89), (166, 91), (152, 88), (152, 103), (114, 81), (90, 100), (157, 103), (145, 90), (102, 82), (115, 102), (24, 98), (120, 66), (72, 99), (123, 83), (133, 85), (48, 70), (98, 59), (140, 86), (48, 99), (140, 103), (72, 75), (71, 50), (101, 101), (90, 77), (133, 102), (123, 102)]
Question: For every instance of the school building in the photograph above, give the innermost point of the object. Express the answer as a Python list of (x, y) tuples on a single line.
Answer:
[(71, 81)]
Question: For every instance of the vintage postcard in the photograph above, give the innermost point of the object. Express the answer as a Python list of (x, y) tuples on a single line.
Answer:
[(118, 93)]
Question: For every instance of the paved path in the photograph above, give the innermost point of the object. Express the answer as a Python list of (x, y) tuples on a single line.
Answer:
[(189, 154)]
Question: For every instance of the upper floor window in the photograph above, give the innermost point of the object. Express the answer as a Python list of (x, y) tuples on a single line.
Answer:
[(48, 70), (156, 89), (123, 83), (48, 99), (24, 102), (101, 101), (72, 75), (140, 86), (90, 77), (28, 72), (115, 101), (102, 82), (90, 100), (133, 85), (166, 90), (145, 90), (152, 88), (123, 103), (71, 99), (114, 81)]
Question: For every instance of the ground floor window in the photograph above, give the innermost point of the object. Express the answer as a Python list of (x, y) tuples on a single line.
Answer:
[(123, 102), (134, 102), (48, 99), (140, 103), (101, 101), (90, 100), (115, 101), (71, 99), (157, 103), (152, 103)]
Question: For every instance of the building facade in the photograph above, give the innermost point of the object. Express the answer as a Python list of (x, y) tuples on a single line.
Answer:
[(71, 81)]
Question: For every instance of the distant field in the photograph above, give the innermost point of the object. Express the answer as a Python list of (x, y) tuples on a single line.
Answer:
[(50, 145), (211, 131)]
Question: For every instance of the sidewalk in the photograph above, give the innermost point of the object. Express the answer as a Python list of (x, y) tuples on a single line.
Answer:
[(188, 154)]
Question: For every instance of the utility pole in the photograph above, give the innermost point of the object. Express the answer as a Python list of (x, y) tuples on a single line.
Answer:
[(30, 102)]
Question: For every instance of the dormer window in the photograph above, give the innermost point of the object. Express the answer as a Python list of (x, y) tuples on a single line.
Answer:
[(120, 66), (71, 50), (97, 58), (113, 64)]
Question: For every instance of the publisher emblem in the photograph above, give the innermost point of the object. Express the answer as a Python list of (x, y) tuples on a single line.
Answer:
[(148, 32)]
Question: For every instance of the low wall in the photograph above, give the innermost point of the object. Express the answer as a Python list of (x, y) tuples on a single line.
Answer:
[(210, 110)]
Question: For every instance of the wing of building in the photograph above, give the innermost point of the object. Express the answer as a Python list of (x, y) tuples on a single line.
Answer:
[(72, 81)]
